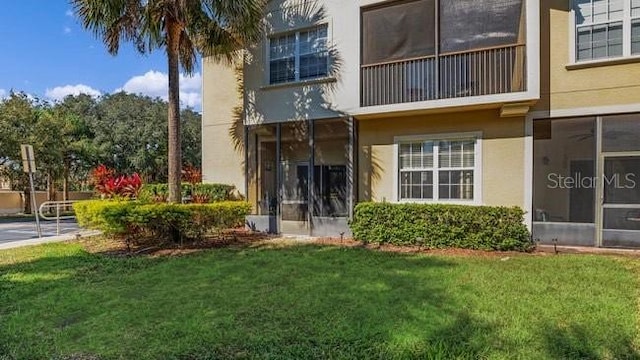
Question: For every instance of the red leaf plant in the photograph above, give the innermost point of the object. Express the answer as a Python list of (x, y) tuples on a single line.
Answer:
[(191, 174), (110, 185)]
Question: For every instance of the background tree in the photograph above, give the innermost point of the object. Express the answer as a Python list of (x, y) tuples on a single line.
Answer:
[(131, 136), (124, 131), (184, 28), (19, 117), (78, 151)]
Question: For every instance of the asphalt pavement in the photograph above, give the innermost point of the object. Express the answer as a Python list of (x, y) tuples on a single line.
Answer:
[(24, 230)]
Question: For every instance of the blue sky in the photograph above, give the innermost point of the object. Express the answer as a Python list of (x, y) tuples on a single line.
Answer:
[(45, 52)]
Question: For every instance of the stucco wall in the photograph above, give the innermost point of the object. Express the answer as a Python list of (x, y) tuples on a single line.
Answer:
[(339, 94), (502, 158), (222, 136), (12, 202), (565, 88)]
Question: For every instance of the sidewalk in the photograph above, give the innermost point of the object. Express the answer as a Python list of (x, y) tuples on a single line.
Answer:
[(587, 250), (49, 239)]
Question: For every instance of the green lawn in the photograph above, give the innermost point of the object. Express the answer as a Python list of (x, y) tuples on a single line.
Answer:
[(312, 302)]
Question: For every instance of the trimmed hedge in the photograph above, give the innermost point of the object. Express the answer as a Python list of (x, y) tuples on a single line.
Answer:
[(438, 226), (135, 220), (160, 192)]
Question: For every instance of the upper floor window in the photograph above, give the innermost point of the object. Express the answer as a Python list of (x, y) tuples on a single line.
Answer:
[(438, 169), (297, 56), (606, 28)]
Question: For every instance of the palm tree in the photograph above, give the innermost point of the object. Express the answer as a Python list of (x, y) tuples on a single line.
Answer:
[(184, 28)]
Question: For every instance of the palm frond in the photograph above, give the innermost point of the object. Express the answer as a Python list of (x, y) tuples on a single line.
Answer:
[(112, 21)]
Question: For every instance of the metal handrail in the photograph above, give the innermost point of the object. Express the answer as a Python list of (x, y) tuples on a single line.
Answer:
[(57, 205)]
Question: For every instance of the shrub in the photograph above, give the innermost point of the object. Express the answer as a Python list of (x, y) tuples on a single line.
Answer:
[(442, 226), (135, 220), (109, 185), (200, 193)]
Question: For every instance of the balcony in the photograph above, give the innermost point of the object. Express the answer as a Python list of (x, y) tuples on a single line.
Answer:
[(486, 71)]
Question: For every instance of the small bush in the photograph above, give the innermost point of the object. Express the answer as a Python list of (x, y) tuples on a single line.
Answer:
[(442, 226), (110, 185), (135, 220), (205, 193)]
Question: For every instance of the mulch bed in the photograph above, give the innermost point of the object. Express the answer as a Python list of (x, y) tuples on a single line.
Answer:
[(420, 250), (239, 238), (119, 248)]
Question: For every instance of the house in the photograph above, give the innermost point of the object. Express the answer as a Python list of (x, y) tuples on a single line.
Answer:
[(525, 103)]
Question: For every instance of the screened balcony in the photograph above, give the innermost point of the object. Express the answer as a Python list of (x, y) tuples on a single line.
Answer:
[(442, 49)]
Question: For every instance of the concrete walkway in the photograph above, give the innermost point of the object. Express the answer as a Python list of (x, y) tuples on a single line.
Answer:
[(48, 239), (587, 250)]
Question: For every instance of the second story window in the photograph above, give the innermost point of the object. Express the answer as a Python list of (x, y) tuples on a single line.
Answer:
[(298, 56), (606, 28)]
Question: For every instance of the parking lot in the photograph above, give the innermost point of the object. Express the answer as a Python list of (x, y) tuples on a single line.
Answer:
[(23, 230)]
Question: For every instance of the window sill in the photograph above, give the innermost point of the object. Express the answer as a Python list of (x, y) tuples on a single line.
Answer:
[(321, 80), (474, 202), (603, 62)]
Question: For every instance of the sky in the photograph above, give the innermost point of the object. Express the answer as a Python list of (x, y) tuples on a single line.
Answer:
[(45, 52)]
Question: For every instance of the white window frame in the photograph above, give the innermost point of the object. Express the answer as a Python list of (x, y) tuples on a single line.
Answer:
[(477, 168), (297, 54), (626, 35)]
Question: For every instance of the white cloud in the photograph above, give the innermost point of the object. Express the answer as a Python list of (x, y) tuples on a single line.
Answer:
[(156, 84), (3, 93), (67, 30), (69, 13), (60, 92)]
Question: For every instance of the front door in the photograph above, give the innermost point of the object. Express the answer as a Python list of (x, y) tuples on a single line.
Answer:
[(620, 197)]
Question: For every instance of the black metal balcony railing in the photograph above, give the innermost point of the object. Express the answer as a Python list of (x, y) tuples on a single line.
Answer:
[(489, 71)]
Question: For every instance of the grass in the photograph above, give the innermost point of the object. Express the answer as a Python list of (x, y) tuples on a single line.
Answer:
[(312, 302)]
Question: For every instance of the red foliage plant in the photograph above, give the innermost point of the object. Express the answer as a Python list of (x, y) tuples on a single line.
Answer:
[(110, 185), (191, 174), (100, 174)]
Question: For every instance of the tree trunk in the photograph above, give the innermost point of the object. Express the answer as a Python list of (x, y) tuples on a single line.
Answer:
[(27, 199), (51, 187), (65, 181), (174, 148)]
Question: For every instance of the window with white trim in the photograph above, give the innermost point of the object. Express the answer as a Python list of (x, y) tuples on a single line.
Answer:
[(437, 169), (302, 55), (606, 29)]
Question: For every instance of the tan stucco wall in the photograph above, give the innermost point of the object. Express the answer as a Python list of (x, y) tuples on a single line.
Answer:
[(222, 138), (502, 152), (11, 202), (563, 88)]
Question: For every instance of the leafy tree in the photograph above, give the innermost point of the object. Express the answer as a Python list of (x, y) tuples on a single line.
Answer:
[(124, 131), (130, 135), (19, 118), (184, 28), (77, 149), (192, 138)]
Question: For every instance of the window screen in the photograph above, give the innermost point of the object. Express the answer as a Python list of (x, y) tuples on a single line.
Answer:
[(475, 24), (400, 31)]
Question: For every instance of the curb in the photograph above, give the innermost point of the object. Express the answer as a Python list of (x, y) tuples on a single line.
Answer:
[(49, 239)]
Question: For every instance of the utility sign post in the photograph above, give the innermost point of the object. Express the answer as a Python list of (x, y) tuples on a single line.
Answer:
[(29, 166)]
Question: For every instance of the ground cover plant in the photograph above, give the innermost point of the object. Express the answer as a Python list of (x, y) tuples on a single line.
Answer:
[(315, 302)]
